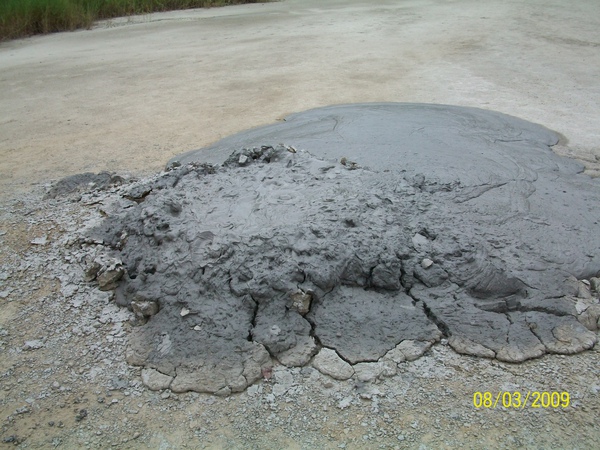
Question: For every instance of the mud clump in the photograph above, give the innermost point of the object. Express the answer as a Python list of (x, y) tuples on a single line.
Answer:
[(278, 253)]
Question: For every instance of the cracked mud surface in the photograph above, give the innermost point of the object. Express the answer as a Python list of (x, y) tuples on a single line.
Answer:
[(125, 97), (66, 383), (284, 250), (64, 346)]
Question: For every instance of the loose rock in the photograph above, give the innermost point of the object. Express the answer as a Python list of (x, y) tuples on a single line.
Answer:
[(155, 380), (329, 363)]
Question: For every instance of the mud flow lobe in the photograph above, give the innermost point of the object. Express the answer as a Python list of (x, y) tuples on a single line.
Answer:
[(375, 227)]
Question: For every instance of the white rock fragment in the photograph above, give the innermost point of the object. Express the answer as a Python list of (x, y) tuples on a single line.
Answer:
[(580, 305), (165, 345), (301, 301), (155, 380), (33, 345), (426, 263), (143, 309), (329, 363), (108, 277), (42, 240), (184, 312), (344, 403)]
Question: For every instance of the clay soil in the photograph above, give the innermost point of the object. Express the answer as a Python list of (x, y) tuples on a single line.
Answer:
[(131, 93)]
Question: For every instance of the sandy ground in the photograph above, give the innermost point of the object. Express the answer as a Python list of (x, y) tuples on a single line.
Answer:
[(131, 93)]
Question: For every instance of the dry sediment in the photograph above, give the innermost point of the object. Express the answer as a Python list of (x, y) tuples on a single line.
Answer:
[(66, 382), (279, 253)]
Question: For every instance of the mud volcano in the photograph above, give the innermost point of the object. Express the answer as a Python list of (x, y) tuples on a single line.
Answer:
[(372, 232)]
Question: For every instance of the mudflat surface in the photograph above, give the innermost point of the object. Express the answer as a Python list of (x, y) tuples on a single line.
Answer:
[(133, 93)]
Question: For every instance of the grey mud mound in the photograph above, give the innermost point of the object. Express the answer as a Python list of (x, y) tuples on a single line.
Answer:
[(375, 231), (82, 182)]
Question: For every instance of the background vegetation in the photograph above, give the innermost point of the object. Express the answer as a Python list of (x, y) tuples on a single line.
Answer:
[(19, 18)]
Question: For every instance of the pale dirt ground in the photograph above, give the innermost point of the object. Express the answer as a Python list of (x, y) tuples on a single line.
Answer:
[(131, 93)]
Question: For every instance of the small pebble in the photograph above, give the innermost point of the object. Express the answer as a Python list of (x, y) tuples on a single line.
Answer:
[(426, 263)]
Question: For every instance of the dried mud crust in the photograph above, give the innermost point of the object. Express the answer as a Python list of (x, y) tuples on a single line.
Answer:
[(278, 254), (66, 384)]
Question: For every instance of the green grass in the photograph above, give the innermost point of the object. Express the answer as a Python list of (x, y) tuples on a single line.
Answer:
[(20, 18)]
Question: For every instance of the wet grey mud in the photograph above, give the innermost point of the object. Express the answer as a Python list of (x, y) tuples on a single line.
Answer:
[(350, 235)]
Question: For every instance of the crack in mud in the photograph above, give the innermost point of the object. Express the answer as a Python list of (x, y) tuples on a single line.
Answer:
[(438, 323)]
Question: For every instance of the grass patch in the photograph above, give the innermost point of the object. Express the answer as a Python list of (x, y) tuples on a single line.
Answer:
[(20, 18)]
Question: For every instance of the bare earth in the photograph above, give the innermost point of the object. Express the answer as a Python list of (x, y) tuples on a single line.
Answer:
[(132, 93)]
